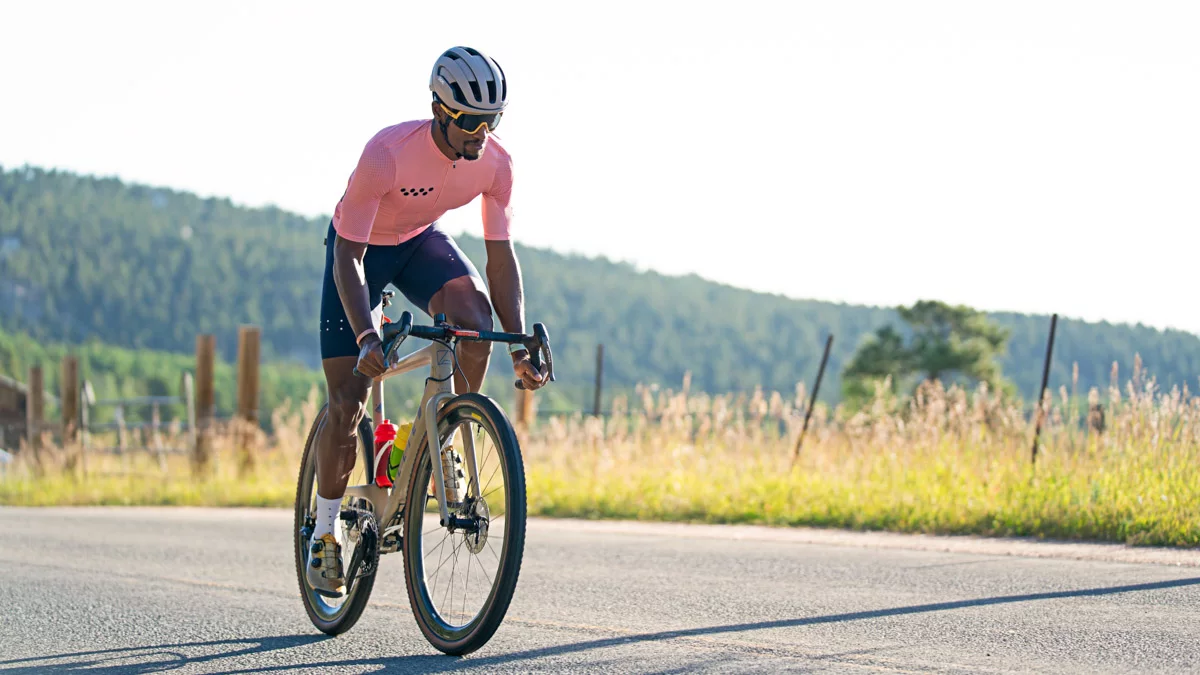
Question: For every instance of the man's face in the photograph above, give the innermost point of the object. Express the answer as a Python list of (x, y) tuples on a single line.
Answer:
[(470, 145)]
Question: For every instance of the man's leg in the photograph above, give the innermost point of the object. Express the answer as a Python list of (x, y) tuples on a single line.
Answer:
[(440, 278), (465, 304), (337, 439)]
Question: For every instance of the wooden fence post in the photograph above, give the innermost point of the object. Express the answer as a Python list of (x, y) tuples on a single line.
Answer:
[(599, 378), (156, 437), (87, 398), (525, 407), (249, 339), (69, 403), (122, 433), (35, 411), (206, 348), (189, 403), (69, 391)]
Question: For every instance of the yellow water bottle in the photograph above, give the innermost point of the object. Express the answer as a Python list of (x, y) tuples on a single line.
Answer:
[(398, 450)]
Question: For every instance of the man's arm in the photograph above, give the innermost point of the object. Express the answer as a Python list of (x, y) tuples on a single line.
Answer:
[(351, 280), (504, 285), (508, 299), (372, 179)]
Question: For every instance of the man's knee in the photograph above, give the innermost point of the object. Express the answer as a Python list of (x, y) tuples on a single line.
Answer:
[(345, 410), (465, 305)]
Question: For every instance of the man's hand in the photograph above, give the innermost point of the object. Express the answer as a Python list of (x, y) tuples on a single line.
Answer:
[(370, 357), (526, 373)]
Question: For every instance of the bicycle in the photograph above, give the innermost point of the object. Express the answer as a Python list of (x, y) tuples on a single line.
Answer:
[(477, 517)]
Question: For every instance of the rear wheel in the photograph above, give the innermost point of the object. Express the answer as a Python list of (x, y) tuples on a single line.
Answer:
[(461, 579), (334, 615)]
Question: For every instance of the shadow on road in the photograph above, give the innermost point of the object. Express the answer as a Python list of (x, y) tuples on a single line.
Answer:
[(164, 658), (152, 658)]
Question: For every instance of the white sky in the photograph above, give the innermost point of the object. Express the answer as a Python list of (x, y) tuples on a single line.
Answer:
[(1028, 156)]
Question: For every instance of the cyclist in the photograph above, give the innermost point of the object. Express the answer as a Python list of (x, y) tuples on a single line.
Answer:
[(385, 230)]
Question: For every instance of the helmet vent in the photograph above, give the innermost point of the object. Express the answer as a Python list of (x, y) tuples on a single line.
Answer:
[(475, 90), (491, 91)]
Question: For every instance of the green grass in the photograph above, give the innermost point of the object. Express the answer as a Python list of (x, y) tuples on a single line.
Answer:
[(1126, 497), (944, 464), (960, 492)]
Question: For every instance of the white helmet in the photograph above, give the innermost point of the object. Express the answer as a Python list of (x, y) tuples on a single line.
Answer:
[(465, 79)]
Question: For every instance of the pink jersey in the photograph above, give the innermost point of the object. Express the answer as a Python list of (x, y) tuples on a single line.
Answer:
[(403, 183)]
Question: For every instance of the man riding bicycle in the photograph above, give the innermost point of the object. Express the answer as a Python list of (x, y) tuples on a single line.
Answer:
[(385, 230)]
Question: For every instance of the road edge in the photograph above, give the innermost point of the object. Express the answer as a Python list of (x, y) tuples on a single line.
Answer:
[(1026, 547)]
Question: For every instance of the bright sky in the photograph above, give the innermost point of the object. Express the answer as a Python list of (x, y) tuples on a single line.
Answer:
[(1027, 156)]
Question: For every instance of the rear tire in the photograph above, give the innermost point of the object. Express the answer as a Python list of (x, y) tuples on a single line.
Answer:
[(505, 513), (330, 616)]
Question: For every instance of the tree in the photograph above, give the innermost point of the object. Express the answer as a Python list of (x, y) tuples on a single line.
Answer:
[(946, 341)]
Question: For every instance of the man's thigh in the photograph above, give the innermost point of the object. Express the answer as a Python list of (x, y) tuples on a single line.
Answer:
[(435, 263)]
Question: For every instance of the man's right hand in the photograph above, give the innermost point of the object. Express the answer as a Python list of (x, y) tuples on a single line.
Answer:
[(370, 357)]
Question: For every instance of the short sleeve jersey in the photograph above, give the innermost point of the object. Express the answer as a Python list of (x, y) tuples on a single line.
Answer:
[(403, 184)]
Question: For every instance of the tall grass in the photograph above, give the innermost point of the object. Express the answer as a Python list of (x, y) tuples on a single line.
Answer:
[(945, 460)]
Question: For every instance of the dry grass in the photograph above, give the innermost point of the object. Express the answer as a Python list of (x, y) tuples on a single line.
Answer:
[(945, 461)]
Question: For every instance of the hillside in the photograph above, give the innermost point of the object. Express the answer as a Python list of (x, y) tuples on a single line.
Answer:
[(142, 267)]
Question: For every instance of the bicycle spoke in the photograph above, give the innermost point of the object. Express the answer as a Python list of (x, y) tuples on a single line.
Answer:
[(440, 566), (466, 587), (489, 480), (450, 586), (432, 581), (437, 548)]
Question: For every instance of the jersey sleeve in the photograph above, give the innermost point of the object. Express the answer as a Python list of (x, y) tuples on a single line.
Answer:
[(372, 179), (497, 209)]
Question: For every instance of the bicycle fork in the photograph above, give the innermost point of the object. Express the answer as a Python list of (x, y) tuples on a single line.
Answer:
[(439, 389)]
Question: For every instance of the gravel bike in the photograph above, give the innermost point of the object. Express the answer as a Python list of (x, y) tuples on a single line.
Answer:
[(456, 508)]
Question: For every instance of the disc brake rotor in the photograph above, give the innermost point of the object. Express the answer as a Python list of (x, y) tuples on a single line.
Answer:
[(479, 513)]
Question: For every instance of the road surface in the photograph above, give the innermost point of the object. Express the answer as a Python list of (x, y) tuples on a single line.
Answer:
[(124, 590)]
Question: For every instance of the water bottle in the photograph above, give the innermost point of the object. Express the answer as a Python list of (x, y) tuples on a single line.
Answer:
[(398, 446), (385, 441)]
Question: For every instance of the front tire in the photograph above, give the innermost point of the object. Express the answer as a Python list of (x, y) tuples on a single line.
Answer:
[(500, 546)]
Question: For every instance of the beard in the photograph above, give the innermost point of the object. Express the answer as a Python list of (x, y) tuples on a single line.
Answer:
[(473, 152)]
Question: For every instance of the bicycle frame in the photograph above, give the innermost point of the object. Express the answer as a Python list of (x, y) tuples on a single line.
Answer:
[(439, 388)]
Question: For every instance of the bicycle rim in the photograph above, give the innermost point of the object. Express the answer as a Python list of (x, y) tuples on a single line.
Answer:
[(461, 582)]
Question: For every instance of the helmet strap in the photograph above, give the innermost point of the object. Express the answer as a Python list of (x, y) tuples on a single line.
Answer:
[(446, 136), (446, 133)]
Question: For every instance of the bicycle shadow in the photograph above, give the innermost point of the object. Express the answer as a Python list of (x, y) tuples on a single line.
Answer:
[(439, 663), (151, 658)]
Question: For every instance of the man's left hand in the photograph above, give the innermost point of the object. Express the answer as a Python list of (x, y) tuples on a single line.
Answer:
[(526, 373)]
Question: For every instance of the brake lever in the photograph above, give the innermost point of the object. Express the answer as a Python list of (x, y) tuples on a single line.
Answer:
[(395, 332), (539, 349)]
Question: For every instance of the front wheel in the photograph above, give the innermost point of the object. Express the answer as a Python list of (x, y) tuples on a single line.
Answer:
[(461, 578)]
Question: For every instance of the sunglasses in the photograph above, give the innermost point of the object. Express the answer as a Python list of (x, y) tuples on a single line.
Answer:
[(470, 122)]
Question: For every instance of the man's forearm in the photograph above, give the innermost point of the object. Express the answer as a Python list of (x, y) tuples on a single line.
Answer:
[(504, 285), (351, 283)]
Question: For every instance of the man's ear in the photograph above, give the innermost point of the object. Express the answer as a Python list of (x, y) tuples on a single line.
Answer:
[(438, 113)]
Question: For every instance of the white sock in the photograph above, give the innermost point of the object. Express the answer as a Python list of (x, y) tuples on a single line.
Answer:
[(327, 513)]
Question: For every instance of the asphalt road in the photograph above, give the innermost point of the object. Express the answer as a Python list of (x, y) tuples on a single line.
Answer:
[(198, 590)]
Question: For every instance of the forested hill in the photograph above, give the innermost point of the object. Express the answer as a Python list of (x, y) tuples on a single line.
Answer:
[(144, 267)]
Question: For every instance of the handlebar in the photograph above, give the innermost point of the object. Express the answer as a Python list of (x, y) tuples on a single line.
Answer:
[(538, 344)]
